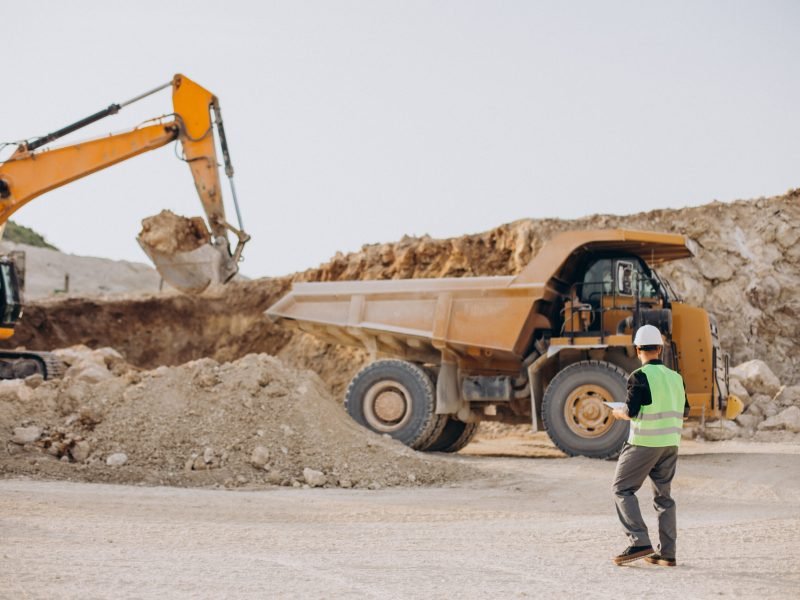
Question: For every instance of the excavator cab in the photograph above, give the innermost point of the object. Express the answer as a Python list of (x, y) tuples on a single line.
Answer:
[(10, 297)]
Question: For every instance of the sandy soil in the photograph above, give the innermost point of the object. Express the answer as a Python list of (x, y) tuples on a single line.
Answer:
[(532, 528)]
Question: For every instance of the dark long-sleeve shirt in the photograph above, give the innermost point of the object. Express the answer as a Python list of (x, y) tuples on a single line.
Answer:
[(639, 392)]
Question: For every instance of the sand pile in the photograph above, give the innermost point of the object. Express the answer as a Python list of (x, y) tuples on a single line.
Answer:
[(253, 422)]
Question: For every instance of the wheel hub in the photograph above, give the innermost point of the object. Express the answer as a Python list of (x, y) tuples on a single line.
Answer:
[(585, 411), (387, 406)]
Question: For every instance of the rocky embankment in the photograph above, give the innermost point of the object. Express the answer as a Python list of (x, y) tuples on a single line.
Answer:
[(771, 407)]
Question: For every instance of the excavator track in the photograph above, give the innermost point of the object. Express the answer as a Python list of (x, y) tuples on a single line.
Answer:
[(21, 364)]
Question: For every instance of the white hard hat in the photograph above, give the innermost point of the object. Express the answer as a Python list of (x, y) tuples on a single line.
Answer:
[(648, 335)]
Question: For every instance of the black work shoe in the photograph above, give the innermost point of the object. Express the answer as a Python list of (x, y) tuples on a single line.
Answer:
[(657, 559), (633, 553)]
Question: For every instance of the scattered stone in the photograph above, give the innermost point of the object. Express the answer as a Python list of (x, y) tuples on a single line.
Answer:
[(259, 457), (345, 483), (716, 431), (26, 435), (748, 421), (208, 456), (93, 374), (789, 396), (117, 459), (34, 381), (788, 419), (206, 378), (80, 451), (314, 478), (15, 390)]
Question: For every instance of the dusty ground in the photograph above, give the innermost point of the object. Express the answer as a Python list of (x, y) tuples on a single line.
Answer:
[(536, 528)]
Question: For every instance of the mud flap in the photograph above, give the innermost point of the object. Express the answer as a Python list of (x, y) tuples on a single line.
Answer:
[(448, 398)]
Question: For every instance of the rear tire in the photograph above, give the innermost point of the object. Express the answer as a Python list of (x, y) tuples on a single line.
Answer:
[(573, 414), (397, 398), (455, 435)]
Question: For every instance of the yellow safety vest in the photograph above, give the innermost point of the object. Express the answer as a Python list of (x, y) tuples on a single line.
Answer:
[(659, 423)]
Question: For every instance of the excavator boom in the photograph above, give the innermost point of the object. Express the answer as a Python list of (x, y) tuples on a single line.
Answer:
[(30, 172)]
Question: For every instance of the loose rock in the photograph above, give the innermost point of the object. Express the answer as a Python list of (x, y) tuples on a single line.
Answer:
[(314, 478), (117, 459), (26, 435), (788, 419), (260, 456)]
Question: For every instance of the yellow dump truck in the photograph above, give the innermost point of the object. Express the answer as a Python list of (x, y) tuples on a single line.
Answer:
[(550, 346)]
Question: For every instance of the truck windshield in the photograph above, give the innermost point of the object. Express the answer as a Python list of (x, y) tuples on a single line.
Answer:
[(599, 280), (666, 288)]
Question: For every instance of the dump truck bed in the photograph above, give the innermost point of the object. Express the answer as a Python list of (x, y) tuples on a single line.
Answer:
[(482, 317), (415, 317)]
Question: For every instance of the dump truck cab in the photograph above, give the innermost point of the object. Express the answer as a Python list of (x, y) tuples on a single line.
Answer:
[(551, 346)]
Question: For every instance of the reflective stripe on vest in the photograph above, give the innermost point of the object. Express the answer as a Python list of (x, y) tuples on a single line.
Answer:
[(659, 424)]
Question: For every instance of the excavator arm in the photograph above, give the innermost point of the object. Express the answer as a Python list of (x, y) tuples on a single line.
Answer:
[(30, 172)]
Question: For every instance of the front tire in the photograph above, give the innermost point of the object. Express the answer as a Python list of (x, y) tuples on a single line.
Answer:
[(397, 398), (573, 413)]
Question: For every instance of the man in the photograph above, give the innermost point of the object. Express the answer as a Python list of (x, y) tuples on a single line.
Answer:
[(656, 406)]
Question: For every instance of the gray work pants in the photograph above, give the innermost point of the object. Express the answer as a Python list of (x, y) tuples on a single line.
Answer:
[(635, 464)]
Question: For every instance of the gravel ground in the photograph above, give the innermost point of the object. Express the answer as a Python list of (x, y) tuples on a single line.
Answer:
[(531, 528)]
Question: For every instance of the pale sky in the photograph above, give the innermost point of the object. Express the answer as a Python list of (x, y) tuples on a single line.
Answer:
[(358, 122)]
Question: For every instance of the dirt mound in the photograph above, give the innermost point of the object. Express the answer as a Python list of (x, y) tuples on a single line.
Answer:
[(253, 422), (169, 233), (747, 272)]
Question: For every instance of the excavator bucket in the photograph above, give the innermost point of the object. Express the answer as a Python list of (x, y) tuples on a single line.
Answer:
[(189, 272), (183, 253)]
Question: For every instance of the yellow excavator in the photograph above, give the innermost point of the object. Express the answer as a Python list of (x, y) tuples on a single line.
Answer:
[(30, 170)]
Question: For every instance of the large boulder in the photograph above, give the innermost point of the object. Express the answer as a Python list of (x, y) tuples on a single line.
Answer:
[(788, 419), (757, 377)]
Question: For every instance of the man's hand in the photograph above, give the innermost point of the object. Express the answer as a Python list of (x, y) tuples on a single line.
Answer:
[(622, 415)]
